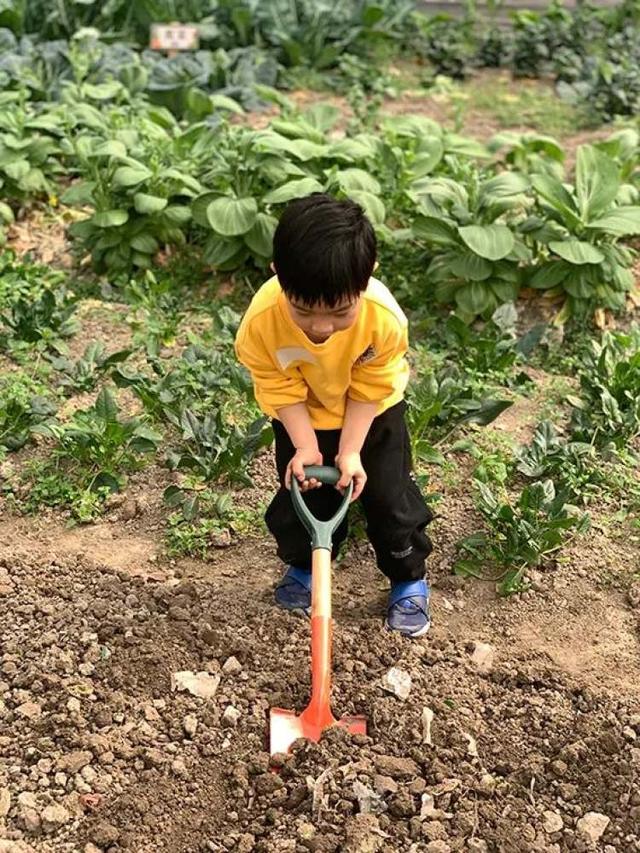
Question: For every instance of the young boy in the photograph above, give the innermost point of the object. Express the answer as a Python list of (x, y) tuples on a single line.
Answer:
[(325, 345)]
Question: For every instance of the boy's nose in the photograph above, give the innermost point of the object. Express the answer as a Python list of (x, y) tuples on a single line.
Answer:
[(321, 328)]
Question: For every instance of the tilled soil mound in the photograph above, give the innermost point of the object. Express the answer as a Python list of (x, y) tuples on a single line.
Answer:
[(99, 752)]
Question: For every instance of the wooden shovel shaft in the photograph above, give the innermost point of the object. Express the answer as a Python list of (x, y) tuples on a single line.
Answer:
[(321, 629), (321, 583)]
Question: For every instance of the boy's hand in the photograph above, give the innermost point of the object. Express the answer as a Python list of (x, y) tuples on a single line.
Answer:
[(304, 456), (350, 467)]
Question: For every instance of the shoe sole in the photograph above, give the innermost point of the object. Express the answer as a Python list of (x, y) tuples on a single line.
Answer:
[(296, 611), (305, 614), (413, 636)]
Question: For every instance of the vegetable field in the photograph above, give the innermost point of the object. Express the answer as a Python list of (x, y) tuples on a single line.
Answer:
[(140, 649)]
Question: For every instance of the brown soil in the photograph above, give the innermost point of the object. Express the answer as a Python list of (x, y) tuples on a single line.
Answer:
[(101, 322), (95, 622), (519, 420), (42, 235)]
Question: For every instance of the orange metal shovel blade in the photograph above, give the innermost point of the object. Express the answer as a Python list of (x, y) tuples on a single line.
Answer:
[(286, 727)]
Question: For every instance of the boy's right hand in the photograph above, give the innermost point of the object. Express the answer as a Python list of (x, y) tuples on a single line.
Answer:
[(304, 456)]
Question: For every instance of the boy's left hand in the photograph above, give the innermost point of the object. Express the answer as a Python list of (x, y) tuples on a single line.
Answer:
[(350, 466)]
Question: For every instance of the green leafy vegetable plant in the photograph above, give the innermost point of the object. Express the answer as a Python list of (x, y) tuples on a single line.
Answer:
[(446, 43), (492, 352), (29, 153), (577, 232), (202, 379), (157, 310), (42, 322), (529, 153), (19, 418), (575, 467), (438, 403), (213, 448), (468, 225), (20, 278), (249, 173), (84, 373), (523, 533), (607, 412), (140, 184), (94, 452)]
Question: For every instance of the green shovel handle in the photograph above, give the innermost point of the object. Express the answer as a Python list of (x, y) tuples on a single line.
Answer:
[(321, 531)]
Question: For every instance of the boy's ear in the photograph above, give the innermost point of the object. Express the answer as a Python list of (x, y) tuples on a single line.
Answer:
[(273, 267), (375, 266)]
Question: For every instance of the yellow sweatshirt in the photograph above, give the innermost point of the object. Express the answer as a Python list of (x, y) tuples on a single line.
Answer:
[(365, 362)]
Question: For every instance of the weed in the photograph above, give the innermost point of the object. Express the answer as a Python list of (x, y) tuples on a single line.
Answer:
[(204, 518), (45, 485)]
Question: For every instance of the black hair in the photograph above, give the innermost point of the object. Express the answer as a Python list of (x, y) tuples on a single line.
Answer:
[(324, 250)]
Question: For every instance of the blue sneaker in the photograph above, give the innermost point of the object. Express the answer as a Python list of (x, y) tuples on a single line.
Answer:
[(294, 590), (408, 608)]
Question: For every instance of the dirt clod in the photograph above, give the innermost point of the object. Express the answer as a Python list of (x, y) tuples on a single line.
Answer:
[(53, 817), (221, 539), (402, 804), (230, 717), (593, 825), (232, 666), (552, 822), (438, 847), (104, 835), (190, 725), (363, 834), (130, 509), (483, 657), (477, 845), (73, 762), (398, 682), (396, 768)]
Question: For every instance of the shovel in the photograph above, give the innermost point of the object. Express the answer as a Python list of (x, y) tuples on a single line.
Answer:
[(286, 726)]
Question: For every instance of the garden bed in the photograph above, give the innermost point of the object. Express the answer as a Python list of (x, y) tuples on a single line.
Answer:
[(523, 745), (135, 470)]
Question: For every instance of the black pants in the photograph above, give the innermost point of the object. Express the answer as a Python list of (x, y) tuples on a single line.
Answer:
[(394, 507)]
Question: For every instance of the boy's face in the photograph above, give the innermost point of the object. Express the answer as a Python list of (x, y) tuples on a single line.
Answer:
[(319, 322)]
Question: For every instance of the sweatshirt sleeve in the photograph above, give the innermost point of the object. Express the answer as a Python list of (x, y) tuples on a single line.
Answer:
[(386, 373), (273, 388)]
